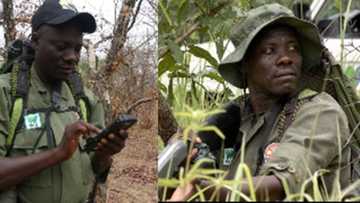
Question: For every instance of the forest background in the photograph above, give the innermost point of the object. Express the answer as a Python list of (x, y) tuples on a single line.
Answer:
[(193, 38)]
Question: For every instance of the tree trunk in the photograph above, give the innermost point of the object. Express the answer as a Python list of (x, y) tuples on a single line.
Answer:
[(90, 53), (114, 57), (167, 122), (119, 85), (9, 22)]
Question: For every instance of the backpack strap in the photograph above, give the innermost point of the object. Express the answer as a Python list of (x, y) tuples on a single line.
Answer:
[(20, 78), (13, 52), (19, 85), (82, 101), (15, 117), (288, 114)]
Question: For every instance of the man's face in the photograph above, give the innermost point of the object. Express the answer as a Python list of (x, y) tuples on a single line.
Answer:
[(57, 51), (274, 63)]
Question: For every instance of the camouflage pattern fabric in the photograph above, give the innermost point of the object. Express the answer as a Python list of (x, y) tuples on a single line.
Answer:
[(257, 19), (320, 72)]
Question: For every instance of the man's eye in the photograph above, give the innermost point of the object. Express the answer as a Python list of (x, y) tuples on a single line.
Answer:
[(268, 50), (293, 48)]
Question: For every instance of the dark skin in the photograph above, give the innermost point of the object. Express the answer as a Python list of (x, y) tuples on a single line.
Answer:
[(276, 71), (57, 54), (273, 71)]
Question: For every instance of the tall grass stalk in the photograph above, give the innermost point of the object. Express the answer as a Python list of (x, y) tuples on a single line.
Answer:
[(192, 119), (191, 111), (242, 170)]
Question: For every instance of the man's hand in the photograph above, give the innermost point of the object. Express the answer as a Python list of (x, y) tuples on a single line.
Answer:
[(72, 133), (182, 194), (195, 139), (194, 151), (112, 144), (15, 170)]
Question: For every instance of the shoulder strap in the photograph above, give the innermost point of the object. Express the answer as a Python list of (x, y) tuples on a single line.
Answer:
[(19, 83), (15, 117), (288, 114), (13, 52), (82, 101)]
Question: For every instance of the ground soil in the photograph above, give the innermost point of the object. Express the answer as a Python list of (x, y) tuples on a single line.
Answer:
[(133, 175)]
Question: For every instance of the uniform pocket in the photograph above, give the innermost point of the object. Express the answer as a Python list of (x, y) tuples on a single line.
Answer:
[(28, 142)]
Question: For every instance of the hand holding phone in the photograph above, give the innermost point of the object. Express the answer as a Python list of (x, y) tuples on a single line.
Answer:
[(124, 121)]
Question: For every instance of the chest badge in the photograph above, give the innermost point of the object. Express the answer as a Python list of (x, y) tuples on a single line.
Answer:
[(229, 154), (32, 121), (269, 150)]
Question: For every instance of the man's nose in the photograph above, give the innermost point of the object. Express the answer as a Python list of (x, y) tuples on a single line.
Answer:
[(71, 56), (285, 59)]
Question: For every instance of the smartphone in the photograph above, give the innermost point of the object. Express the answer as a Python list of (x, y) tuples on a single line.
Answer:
[(123, 121)]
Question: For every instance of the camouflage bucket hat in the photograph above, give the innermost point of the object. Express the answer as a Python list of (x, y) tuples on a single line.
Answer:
[(256, 20)]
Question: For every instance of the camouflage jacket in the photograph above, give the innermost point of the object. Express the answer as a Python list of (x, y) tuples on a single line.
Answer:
[(314, 140)]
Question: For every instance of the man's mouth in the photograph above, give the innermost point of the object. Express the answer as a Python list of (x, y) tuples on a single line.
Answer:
[(286, 75), (67, 69), (289, 73)]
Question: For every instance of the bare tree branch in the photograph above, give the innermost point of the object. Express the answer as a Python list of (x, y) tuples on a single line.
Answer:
[(152, 4), (144, 42), (137, 103), (22, 19), (104, 39), (9, 23), (192, 28), (114, 57), (135, 15)]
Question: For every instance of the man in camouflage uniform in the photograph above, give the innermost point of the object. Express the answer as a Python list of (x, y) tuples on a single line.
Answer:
[(289, 131), (46, 163)]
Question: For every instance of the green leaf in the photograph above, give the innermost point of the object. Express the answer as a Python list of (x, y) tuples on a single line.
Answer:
[(350, 72), (179, 75), (214, 76), (167, 63), (338, 4), (176, 51), (165, 12), (183, 10), (161, 86), (202, 53), (220, 48)]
